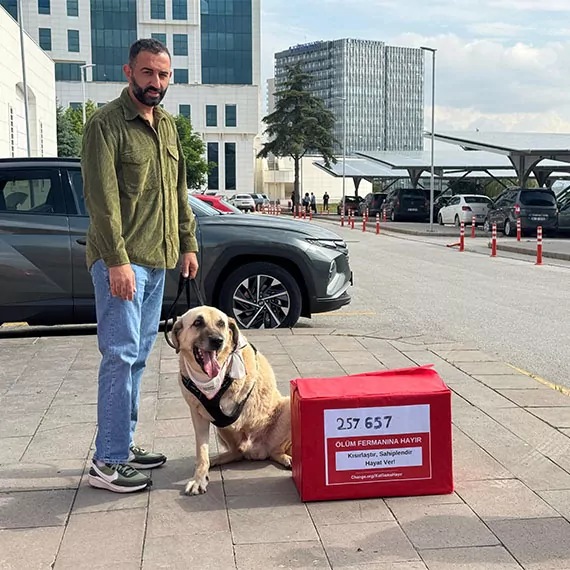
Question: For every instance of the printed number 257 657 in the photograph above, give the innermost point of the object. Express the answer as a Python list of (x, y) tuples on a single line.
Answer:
[(371, 422)]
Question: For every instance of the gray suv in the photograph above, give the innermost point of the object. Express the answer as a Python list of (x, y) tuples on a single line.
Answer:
[(264, 271)]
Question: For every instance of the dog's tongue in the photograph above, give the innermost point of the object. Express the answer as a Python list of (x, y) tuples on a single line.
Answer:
[(211, 366)]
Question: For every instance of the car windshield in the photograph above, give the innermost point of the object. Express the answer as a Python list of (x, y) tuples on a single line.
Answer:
[(413, 194), (477, 200), (231, 207), (243, 197), (537, 198), (201, 208)]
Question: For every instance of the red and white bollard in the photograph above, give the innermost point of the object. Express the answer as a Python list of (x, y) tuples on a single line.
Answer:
[(384, 215), (304, 214), (311, 215), (377, 223), (342, 219), (352, 220), (473, 224), (494, 241), (328, 211), (278, 209), (519, 229), (363, 223), (462, 237), (539, 245), (367, 215)]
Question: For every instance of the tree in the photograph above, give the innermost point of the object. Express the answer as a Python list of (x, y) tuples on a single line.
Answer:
[(300, 123), (68, 141), (76, 115), (193, 148)]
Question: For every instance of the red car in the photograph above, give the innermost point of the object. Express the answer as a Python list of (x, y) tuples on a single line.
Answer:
[(218, 203)]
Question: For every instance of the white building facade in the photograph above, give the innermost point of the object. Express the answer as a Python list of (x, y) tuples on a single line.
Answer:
[(41, 95), (215, 49)]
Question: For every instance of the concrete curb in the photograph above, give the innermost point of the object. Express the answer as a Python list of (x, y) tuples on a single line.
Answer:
[(531, 252)]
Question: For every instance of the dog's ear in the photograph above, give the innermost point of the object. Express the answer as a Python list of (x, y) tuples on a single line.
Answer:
[(174, 334), (234, 330)]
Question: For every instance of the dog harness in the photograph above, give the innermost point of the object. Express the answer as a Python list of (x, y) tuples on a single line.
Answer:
[(212, 406)]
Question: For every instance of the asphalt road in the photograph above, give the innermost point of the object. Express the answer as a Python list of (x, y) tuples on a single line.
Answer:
[(507, 306)]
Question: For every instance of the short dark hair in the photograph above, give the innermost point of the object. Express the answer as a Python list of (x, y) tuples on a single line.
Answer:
[(151, 45)]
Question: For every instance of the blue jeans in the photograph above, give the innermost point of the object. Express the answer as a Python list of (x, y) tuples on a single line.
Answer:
[(126, 332)]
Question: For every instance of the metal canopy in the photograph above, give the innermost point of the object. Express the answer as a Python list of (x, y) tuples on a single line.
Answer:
[(524, 150)]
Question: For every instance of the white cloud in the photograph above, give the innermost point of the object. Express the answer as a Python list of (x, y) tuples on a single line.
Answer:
[(497, 29)]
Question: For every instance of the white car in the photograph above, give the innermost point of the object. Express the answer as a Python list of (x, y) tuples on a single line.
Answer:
[(244, 202), (463, 207)]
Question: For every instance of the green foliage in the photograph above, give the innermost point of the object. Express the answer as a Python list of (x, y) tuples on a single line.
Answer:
[(193, 148), (68, 141), (299, 124)]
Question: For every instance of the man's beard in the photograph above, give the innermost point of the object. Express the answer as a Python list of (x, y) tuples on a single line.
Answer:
[(141, 94)]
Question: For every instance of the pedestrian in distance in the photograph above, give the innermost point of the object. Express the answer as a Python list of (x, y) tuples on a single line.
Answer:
[(313, 203), (140, 225), (326, 198)]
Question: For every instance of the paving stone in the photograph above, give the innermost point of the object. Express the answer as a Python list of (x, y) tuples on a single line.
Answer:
[(285, 374), (479, 558), (171, 408), (168, 386), (509, 381), (103, 540), (363, 544), (377, 346), (303, 356), (61, 416), (56, 443), (404, 506), (257, 478), (269, 518), (476, 368), (56, 474), (72, 395), (444, 526), (212, 552), (279, 556), (344, 512), (395, 361), (472, 463), (340, 344), (538, 544), (169, 366), (13, 424), (558, 500), (319, 369), (28, 403), (13, 448), (556, 417), (296, 342), (504, 499), (351, 369), (29, 509), (480, 396), (314, 330), (359, 357), (449, 373), (174, 428), (30, 548), (408, 565), (455, 356), (541, 398), (280, 360)]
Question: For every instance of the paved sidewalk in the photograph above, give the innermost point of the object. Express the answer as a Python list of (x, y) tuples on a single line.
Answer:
[(511, 508)]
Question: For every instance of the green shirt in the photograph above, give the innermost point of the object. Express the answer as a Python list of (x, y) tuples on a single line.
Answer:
[(134, 177)]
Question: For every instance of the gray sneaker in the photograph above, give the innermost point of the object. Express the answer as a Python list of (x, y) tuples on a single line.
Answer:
[(140, 458), (119, 478)]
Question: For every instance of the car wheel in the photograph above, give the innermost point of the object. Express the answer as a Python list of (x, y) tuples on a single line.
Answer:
[(508, 229), (486, 225), (440, 220), (261, 295), (457, 222), (393, 216)]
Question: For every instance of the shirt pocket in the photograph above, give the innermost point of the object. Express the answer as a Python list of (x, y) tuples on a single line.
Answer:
[(135, 168), (172, 160)]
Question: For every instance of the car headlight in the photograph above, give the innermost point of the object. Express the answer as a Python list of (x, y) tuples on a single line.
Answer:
[(329, 243)]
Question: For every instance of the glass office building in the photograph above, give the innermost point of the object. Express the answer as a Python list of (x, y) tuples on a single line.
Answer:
[(383, 87)]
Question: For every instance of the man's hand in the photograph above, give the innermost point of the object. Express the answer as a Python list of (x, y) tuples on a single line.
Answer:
[(189, 265), (122, 281)]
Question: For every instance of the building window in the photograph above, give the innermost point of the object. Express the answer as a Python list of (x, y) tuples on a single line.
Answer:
[(180, 76), (184, 110), (75, 106), (11, 7), (231, 116), (227, 42), (12, 133), (230, 160), (211, 115), (73, 40), (67, 72), (44, 7), (160, 37), (158, 9), (99, 105), (73, 7), (213, 177), (41, 138), (179, 9), (180, 44), (45, 38)]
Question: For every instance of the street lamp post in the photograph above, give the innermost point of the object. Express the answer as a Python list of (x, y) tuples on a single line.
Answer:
[(432, 176), (83, 79), (24, 80)]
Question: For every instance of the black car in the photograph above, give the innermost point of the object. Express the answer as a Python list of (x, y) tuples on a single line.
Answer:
[(533, 206), (265, 272), (373, 202), (350, 203), (407, 204)]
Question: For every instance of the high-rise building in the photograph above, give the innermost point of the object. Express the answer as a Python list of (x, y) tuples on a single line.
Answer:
[(381, 87), (215, 49)]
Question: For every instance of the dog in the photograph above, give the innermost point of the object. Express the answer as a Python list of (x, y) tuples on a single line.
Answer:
[(226, 381)]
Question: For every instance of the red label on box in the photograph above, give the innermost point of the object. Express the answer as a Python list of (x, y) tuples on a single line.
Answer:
[(371, 445)]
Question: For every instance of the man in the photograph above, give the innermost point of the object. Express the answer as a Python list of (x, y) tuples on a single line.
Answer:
[(326, 201), (141, 224), (313, 203)]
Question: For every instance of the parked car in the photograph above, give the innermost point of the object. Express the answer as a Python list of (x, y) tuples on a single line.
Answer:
[(408, 204), (373, 202), (263, 271), (218, 203), (350, 203), (242, 201), (463, 207), (440, 202), (533, 206), (260, 200)]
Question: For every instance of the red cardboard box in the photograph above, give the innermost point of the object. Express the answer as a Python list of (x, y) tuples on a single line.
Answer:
[(380, 434)]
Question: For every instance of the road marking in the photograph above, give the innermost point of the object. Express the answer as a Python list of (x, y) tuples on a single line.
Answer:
[(552, 385), (346, 314)]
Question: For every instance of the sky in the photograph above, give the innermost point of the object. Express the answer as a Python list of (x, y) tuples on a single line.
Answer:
[(501, 65)]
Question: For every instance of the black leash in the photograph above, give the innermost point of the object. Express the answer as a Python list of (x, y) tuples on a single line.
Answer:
[(183, 286)]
